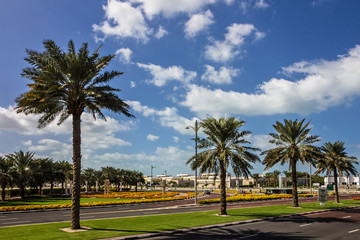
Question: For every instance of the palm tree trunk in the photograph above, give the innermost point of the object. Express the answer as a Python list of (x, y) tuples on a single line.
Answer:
[(222, 189), (337, 199), (3, 189), (75, 207), (22, 191), (294, 183)]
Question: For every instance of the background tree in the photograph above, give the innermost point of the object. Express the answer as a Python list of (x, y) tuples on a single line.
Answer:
[(98, 176), (268, 177), (41, 170), (256, 178), (224, 146), (67, 84), (5, 175), (293, 143), (287, 177), (88, 178), (275, 176), (65, 170), (337, 162), (21, 169)]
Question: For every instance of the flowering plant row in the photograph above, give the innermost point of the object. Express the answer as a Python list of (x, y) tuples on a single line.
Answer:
[(56, 206), (252, 197)]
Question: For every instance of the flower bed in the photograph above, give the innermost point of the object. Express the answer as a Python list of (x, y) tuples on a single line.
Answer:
[(56, 206), (252, 197), (132, 195)]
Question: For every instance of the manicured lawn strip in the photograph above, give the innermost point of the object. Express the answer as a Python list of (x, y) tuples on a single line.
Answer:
[(49, 201), (145, 224)]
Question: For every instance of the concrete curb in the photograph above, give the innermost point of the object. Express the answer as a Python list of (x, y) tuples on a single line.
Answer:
[(183, 230)]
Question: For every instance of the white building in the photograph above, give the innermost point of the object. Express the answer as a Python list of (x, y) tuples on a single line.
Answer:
[(343, 181)]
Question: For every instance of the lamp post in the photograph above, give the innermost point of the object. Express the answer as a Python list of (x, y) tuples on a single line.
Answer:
[(196, 128), (151, 176)]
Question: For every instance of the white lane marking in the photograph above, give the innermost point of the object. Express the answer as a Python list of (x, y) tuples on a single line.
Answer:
[(304, 225), (347, 217), (7, 223), (248, 236), (354, 231)]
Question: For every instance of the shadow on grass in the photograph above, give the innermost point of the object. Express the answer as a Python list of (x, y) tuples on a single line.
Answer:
[(235, 233), (122, 230)]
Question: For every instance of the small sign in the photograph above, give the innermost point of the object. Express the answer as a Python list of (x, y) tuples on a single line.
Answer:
[(322, 196)]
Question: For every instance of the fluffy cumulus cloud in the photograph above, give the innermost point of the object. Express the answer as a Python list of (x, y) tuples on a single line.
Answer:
[(96, 135), (246, 5), (167, 117), (172, 157), (231, 46), (197, 23), (324, 84), (223, 76), (162, 75), (161, 33), (123, 20), (151, 137), (124, 54), (170, 8)]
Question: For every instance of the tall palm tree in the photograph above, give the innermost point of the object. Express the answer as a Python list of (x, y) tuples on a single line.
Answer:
[(88, 178), (337, 162), (21, 169), (293, 144), (41, 171), (287, 176), (5, 175), (275, 175), (98, 176), (68, 84), (268, 177), (224, 146)]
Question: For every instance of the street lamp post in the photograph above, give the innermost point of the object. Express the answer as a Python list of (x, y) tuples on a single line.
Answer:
[(151, 176), (196, 128)]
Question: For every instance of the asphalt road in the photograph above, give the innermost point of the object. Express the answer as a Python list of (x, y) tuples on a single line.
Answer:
[(61, 215), (340, 224)]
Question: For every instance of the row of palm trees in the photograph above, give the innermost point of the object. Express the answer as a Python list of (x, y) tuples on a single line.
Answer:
[(23, 169), (226, 145), (271, 179)]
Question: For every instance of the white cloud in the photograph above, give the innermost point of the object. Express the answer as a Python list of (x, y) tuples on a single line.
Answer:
[(124, 54), (231, 46), (161, 33), (261, 4), (123, 20), (171, 8), (324, 84), (223, 76), (175, 159), (197, 23), (167, 117), (176, 139), (162, 75), (151, 137), (132, 84)]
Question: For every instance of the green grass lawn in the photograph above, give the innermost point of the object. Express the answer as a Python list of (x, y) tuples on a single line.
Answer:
[(60, 200), (136, 225)]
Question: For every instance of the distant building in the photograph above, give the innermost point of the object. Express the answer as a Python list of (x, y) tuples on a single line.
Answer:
[(343, 181), (204, 181)]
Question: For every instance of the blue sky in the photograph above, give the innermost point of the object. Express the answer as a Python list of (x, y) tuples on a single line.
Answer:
[(258, 60)]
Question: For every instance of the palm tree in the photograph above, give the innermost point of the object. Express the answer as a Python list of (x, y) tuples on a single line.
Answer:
[(98, 176), (287, 176), (42, 171), (268, 177), (5, 175), (337, 162), (224, 145), (293, 143), (68, 84), (88, 177), (21, 169), (275, 175), (256, 178), (64, 173)]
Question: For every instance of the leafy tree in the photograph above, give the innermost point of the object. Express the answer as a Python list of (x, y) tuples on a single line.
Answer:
[(5, 175), (337, 162), (109, 173), (224, 146), (21, 169), (68, 84), (292, 144)]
